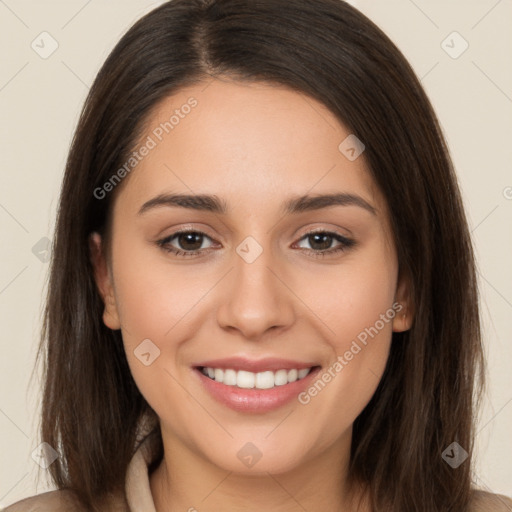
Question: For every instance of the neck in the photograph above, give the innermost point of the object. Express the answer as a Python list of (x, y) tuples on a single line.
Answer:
[(187, 482)]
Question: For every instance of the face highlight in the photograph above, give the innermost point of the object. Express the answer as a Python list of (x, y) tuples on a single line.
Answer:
[(246, 233)]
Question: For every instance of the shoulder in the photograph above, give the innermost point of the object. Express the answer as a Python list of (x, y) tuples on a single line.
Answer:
[(52, 501), (482, 501), (66, 501)]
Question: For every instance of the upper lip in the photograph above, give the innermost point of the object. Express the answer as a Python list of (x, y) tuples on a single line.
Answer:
[(255, 365)]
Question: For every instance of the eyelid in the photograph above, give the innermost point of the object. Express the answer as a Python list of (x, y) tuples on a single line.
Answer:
[(186, 228), (321, 229), (163, 242), (190, 228), (344, 243)]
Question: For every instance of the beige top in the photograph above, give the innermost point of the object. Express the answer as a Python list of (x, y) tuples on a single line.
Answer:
[(138, 491), (139, 498)]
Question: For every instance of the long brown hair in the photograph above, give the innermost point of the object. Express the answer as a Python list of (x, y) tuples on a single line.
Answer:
[(327, 50)]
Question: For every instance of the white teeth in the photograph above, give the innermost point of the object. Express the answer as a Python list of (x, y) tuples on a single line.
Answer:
[(281, 377), (303, 373), (229, 377), (219, 375), (245, 379), (292, 375), (260, 380), (264, 380)]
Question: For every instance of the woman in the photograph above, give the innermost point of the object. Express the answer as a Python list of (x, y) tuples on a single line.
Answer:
[(263, 291)]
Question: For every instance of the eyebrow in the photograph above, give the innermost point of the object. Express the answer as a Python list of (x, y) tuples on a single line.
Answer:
[(299, 204)]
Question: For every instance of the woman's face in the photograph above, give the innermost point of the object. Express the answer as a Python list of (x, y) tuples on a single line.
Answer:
[(258, 294)]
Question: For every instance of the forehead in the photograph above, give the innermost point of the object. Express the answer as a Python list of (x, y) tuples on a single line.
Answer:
[(242, 141)]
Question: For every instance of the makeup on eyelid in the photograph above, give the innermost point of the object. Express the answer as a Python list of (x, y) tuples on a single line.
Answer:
[(345, 243)]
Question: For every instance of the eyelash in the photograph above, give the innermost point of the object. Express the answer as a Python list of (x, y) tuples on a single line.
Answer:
[(346, 243)]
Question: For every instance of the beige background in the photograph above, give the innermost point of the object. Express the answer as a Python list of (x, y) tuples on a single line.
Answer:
[(40, 101)]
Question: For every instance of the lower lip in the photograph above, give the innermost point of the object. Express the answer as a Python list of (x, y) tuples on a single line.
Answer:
[(255, 400)]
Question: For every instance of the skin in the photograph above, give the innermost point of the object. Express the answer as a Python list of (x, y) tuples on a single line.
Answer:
[(253, 146)]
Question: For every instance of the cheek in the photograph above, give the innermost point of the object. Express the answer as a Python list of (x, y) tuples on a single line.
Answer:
[(153, 294), (154, 302), (357, 303), (351, 297)]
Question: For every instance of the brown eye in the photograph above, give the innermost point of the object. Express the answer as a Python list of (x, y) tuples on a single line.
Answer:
[(190, 241), (184, 243), (320, 243)]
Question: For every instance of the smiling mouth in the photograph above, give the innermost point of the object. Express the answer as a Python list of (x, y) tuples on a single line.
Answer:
[(251, 380)]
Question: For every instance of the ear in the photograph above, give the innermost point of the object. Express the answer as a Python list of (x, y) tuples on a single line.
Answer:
[(103, 280), (404, 314)]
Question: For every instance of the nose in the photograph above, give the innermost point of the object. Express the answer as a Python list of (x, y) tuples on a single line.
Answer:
[(255, 298)]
